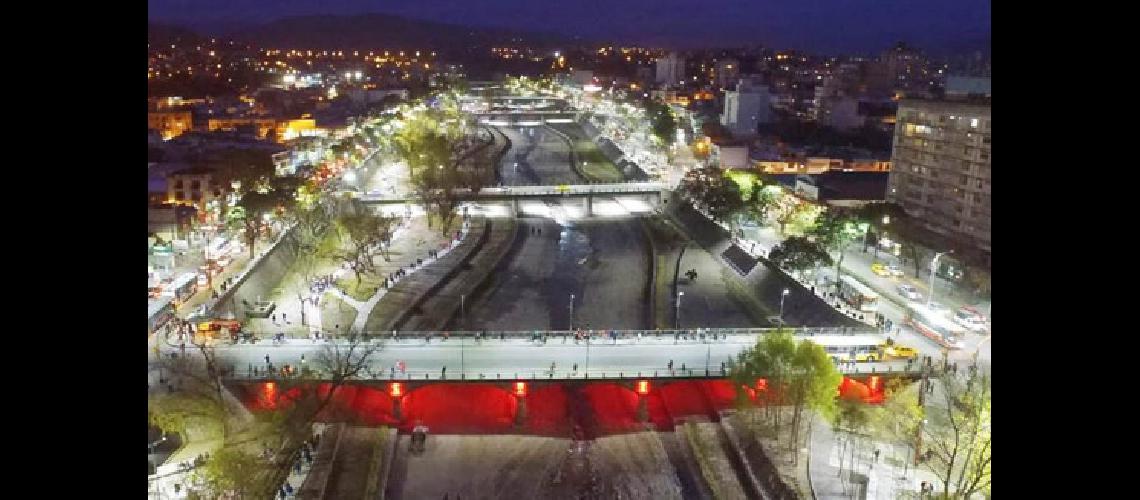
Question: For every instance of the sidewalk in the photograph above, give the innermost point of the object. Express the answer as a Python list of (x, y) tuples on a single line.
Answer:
[(884, 477), (411, 241), (858, 264)]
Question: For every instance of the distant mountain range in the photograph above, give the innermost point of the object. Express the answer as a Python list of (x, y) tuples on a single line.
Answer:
[(384, 31), (369, 31)]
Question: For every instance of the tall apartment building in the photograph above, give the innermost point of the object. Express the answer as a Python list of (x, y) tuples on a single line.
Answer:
[(727, 71), (746, 107), (670, 69), (941, 167)]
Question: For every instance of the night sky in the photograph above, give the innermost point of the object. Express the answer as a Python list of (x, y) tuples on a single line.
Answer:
[(822, 26)]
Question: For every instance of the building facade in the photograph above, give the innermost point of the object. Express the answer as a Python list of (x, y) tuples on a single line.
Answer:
[(194, 186), (670, 70), (170, 124), (727, 71), (746, 107), (941, 167)]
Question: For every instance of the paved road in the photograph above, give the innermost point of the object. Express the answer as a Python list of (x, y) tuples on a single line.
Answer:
[(511, 357)]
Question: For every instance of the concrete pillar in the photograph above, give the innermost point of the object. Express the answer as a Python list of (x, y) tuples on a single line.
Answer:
[(515, 207), (520, 411), (642, 408), (589, 205), (397, 408)]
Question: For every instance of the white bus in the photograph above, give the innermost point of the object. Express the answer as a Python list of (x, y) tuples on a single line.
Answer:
[(858, 295), (182, 288), (935, 326), (159, 312), (843, 348)]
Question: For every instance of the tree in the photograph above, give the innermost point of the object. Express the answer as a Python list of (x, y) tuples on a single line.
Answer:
[(431, 145), (763, 202), (851, 421), (797, 217), (364, 234), (898, 419), (311, 224), (799, 254), (835, 229), (710, 188), (663, 122), (255, 206), (784, 371), (770, 360), (813, 382), (957, 434)]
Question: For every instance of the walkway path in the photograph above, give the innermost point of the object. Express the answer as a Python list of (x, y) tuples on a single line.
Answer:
[(409, 244), (884, 476), (411, 241)]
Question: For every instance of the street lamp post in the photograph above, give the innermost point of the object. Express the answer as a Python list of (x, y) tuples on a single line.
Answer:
[(677, 325), (886, 221), (933, 270), (572, 313), (783, 296)]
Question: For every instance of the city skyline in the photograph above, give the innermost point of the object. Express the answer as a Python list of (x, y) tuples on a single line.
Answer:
[(828, 27)]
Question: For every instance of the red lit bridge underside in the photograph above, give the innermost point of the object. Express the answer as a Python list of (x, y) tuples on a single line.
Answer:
[(551, 408)]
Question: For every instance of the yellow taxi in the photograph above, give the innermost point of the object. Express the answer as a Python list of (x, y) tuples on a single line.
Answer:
[(897, 351), (880, 269)]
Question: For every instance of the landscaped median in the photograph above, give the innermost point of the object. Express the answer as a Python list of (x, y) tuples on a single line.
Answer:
[(588, 160)]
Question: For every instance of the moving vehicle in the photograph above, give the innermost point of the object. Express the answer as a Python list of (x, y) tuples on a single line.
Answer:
[(895, 270), (935, 326), (891, 350), (880, 269), (182, 288), (159, 312), (909, 292), (857, 294), (971, 319), (216, 325), (846, 348)]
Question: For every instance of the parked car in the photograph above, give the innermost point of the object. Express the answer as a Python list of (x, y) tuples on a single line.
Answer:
[(909, 292)]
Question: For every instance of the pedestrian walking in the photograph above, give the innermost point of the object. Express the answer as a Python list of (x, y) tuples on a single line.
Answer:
[(267, 359), (876, 455), (670, 365), (274, 316), (443, 373), (285, 317)]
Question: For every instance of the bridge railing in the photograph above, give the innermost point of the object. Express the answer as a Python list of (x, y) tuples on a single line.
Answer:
[(388, 374), (599, 335)]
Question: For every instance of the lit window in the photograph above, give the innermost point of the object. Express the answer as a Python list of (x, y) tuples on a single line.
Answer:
[(973, 123)]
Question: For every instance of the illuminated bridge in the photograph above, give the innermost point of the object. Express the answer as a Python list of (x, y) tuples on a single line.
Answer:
[(503, 382), (552, 355), (651, 192)]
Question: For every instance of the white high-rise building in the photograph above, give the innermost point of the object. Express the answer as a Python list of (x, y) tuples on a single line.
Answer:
[(670, 69), (940, 169), (746, 107)]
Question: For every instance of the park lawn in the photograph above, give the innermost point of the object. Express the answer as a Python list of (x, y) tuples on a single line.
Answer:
[(335, 311), (598, 168), (364, 289)]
